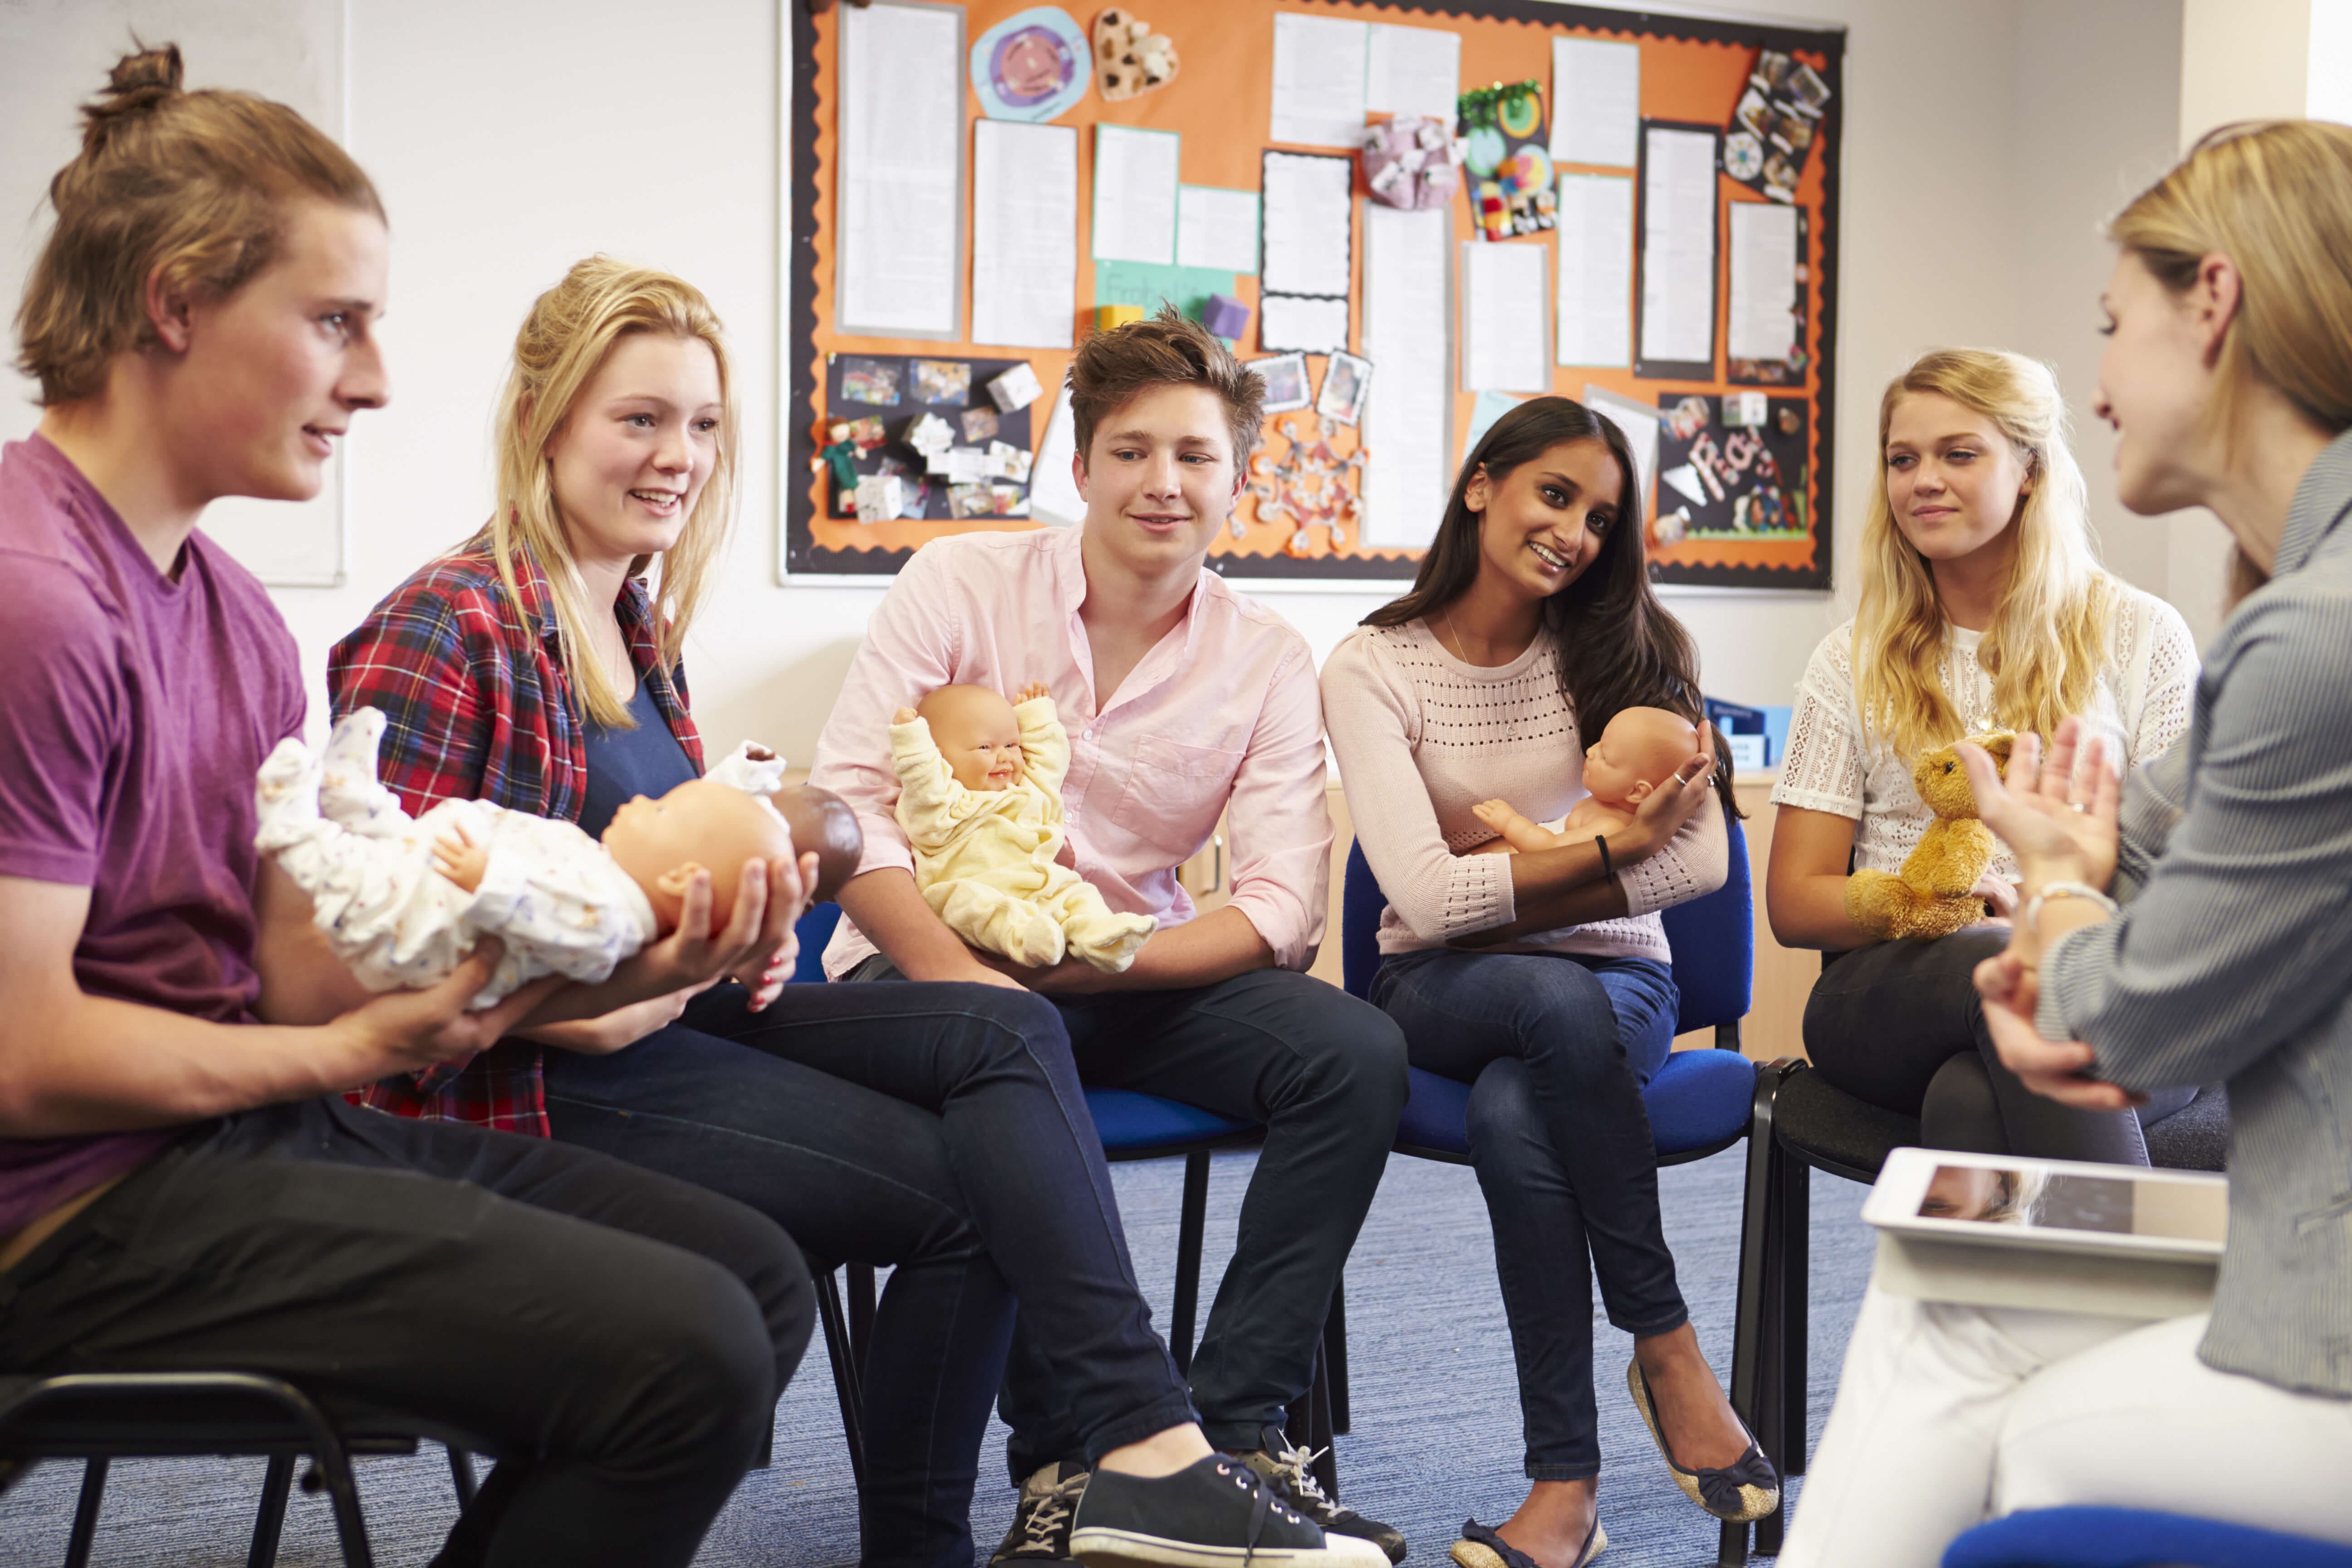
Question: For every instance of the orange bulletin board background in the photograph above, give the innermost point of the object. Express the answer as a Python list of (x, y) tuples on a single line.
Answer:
[(1693, 71)]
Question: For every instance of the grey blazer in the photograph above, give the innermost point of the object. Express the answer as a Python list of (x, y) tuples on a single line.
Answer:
[(2232, 956)]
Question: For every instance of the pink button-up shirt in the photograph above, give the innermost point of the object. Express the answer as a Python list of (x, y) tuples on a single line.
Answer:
[(1224, 711)]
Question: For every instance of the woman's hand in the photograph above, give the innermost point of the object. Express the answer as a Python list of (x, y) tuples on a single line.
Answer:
[(1661, 815), (2049, 1068), (621, 1027), (2057, 834), (756, 946)]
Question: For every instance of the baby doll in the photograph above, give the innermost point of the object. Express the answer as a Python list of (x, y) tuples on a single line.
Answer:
[(979, 795), (1634, 755), (403, 900)]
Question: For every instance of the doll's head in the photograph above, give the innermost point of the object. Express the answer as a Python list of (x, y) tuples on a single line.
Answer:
[(702, 825), (1635, 754), (976, 731), (823, 821)]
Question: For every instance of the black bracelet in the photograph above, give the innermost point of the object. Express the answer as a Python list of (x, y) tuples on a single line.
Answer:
[(1601, 843)]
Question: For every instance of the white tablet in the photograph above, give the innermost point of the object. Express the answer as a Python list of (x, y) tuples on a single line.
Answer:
[(2051, 1205)]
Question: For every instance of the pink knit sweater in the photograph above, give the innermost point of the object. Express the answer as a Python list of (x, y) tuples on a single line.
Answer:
[(1421, 737)]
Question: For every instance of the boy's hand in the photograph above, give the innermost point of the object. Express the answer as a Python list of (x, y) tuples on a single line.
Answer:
[(1031, 692), (463, 861), (410, 1030)]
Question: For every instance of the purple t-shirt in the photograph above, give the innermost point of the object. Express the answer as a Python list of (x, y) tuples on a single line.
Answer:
[(135, 711)]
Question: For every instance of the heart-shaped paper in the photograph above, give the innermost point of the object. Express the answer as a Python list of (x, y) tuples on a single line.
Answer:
[(1130, 59)]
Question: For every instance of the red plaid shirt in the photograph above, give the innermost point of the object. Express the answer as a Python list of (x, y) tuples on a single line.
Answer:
[(479, 708)]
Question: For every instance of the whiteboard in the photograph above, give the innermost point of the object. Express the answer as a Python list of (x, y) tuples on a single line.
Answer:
[(53, 56)]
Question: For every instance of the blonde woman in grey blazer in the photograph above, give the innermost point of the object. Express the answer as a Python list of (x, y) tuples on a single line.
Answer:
[(2224, 951)]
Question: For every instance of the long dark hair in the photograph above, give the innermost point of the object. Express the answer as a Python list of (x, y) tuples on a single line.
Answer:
[(1619, 647)]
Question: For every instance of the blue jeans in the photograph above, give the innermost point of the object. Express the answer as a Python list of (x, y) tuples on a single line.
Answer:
[(938, 1128), (1556, 1049)]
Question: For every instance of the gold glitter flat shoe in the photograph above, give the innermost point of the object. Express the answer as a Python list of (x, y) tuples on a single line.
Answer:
[(1481, 1547), (1741, 1493)]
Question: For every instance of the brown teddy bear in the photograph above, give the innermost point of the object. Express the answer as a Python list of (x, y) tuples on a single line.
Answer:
[(1130, 59), (1931, 898)]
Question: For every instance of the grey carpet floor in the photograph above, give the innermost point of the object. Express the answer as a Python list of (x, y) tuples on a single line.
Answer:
[(1435, 1431)]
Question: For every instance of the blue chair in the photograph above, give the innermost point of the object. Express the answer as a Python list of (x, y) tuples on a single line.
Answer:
[(2133, 1538), (1700, 1102)]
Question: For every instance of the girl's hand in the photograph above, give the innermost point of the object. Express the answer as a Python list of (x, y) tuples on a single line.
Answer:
[(1661, 815), (622, 1027), (766, 982), (2049, 1068), (2057, 832)]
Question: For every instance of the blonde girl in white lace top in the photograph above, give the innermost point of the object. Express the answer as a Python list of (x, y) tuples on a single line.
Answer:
[(1983, 607)]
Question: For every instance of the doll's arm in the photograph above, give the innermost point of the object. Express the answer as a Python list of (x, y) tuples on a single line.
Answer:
[(928, 792), (1045, 745), (1516, 831)]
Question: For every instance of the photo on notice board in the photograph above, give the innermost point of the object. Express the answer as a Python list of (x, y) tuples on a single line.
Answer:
[(1346, 379), (1286, 382), (1731, 467)]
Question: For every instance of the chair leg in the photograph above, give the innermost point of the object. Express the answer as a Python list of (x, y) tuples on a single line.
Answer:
[(1335, 1356), (861, 1311), (270, 1520), (1753, 1333), (332, 1473), (86, 1511), (461, 1477), (837, 1348), (1191, 1229), (1796, 1252)]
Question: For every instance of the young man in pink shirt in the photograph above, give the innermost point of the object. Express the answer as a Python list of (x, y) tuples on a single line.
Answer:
[(1183, 700)]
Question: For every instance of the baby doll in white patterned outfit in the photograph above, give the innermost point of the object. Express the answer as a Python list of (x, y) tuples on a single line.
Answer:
[(403, 900)]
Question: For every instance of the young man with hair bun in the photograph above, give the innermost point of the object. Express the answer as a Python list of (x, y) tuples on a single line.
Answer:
[(1184, 701)]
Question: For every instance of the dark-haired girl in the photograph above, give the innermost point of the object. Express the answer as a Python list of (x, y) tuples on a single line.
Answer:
[(1541, 979)]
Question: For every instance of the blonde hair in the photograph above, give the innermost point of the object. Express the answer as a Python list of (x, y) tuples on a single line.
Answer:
[(191, 188), (2048, 636), (2276, 197), (563, 342), (2016, 1194)]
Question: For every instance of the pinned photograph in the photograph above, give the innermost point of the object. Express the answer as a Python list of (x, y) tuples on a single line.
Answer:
[(972, 500), (1754, 113), (870, 380), (1779, 177), (1286, 382), (979, 425), (1807, 89), (1772, 72), (1346, 379), (943, 380), (1792, 133), (867, 433)]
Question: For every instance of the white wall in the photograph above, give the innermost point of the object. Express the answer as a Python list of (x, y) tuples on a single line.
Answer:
[(1983, 144)]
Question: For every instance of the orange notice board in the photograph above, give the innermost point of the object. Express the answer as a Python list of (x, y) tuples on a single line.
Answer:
[(1696, 172)]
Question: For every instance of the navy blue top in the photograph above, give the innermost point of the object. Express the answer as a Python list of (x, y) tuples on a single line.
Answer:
[(626, 764)]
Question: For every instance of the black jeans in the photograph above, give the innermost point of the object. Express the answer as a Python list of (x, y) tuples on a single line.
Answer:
[(619, 1339), (1324, 1074), (1900, 1024), (1556, 1049), (938, 1128)]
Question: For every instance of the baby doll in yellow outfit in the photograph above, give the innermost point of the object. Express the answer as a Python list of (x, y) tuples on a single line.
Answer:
[(979, 795)]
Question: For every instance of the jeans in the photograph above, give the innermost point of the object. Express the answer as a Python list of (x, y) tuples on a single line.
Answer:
[(937, 1127), (1900, 1024), (618, 1338), (1556, 1049), (1324, 1074)]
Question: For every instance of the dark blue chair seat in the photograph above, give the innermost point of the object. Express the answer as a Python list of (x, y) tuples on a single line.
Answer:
[(2133, 1538), (1131, 1124), (1698, 1102)]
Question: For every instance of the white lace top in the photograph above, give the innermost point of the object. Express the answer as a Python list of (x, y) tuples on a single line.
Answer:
[(1833, 765), (1421, 737)]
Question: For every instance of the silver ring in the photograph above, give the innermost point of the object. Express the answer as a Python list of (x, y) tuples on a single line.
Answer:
[(2077, 805)]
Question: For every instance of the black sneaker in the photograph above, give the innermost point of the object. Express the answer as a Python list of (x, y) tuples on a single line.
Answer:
[(1041, 1520), (1215, 1512), (1291, 1469)]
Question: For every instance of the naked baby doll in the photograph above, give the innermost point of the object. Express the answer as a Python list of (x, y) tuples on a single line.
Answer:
[(403, 900), (979, 795), (1635, 754)]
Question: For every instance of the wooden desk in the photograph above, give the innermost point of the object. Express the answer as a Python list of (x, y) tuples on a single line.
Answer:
[(1784, 976)]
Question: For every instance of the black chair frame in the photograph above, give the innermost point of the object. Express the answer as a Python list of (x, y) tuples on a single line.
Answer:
[(99, 1418)]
